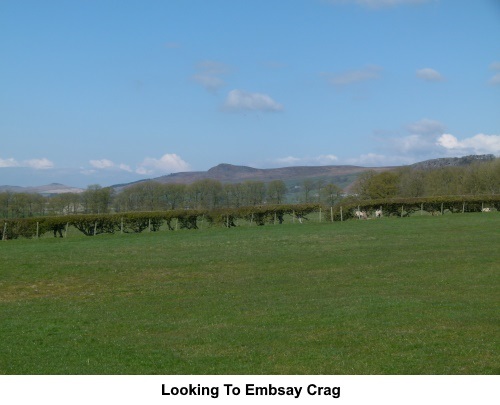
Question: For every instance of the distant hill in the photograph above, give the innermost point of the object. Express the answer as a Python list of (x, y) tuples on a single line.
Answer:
[(449, 162), (49, 189), (227, 173), (343, 176)]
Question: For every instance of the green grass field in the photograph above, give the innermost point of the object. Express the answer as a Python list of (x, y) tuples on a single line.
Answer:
[(417, 295)]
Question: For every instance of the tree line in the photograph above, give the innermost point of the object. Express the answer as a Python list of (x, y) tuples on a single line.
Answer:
[(480, 178), (155, 196)]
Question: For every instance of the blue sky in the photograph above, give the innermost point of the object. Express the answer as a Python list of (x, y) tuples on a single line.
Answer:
[(102, 91)]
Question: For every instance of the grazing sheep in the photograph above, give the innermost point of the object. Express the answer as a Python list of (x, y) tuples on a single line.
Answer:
[(361, 215), (378, 214), (486, 210)]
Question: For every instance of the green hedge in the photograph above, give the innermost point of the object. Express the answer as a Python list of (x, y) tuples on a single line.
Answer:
[(406, 206), (135, 222)]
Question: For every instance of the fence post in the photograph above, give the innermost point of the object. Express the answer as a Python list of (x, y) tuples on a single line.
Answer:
[(422, 209), (121, 226), (66, 230), (274, 218), (293, 216), (331, 214), (149, 225), (341, 216), (95, 228), (4, 235), (319, 214), (463, 207), (442, 212), (402, 209), (37, 227)]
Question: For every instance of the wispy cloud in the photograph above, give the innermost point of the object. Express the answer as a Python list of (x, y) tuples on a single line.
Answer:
[(429, 75), (416, 140), (367, 160), (172, 45), (495, 80), (37, 164), (376, 4), (239, 100), (168, 163), (370, 72), (106, 164), (425, 127), (209, 74)]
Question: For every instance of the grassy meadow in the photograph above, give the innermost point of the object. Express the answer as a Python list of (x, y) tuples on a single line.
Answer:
[(417, 295)]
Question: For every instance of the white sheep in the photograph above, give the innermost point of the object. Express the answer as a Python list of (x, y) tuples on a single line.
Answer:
[(361, 215)]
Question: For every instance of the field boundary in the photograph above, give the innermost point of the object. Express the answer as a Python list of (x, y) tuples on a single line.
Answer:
[(136, 222)]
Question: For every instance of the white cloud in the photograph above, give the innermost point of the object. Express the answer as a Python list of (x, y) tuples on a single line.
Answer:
[(10, 162), (168, 163), (209, 74), (37, 164), (106, 164), (370, 72), (125, 167), (477, 144), (102, 164), (429, 75), (238, 100), (379, 3), (40, 164)]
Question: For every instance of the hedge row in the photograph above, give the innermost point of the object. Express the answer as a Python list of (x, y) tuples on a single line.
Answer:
[(135, 222), (407, 206)]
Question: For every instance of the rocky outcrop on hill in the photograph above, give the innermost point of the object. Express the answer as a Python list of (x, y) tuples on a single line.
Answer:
[(445, 162)]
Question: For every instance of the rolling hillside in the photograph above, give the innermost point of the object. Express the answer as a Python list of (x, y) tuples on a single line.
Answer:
[(343, 176)]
